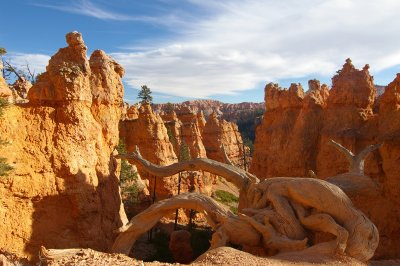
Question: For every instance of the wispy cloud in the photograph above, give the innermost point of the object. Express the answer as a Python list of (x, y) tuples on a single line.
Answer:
[(240, 44), (245, 43), (37, 62), (88, 8)]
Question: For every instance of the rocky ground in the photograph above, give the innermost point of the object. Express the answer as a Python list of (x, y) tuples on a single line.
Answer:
[(219, 256)]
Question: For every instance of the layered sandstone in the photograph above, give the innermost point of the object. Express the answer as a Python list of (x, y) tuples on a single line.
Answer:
[(63, 191), (294, 135), (217, 133), (229, 111), (165, 139), (190, 132), (150, 135), (286, 139)]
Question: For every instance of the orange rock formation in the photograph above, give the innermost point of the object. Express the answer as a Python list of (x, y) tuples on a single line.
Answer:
[(63, 191), (149, 133), (218, 132), (293, 139)]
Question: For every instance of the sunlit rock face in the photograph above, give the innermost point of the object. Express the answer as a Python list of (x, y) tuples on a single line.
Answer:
[(63, 191), (287, 138), (296, 128), (218, 133)]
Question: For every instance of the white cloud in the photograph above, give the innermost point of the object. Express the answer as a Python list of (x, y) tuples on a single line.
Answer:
[(247, 42), (88, 8), (37, 62)]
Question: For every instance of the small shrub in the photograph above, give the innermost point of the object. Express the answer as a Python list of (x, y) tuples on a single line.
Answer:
[(127, 177), (226, 197)]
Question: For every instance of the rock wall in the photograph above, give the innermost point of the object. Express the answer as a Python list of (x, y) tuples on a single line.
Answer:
[(190, 132), (160, 138), (149, 133), (294, 134), (229, 111), (286, 140), (63, 191), (218, 132)]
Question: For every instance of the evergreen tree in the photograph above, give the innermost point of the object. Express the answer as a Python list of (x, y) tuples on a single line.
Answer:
[(169, 108), (184, 152), (145, 95)]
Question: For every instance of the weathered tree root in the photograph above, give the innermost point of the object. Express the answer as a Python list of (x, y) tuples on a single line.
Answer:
[(356, 161), (228, 227), (355, 182), (303, 205)]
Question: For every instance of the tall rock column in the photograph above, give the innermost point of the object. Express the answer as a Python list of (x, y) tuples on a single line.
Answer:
[(65, 180), (218, 132), (149, 133), (348, 118)]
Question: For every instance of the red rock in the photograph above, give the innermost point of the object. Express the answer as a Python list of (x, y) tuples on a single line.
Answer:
[(293, 139), (218, 132)]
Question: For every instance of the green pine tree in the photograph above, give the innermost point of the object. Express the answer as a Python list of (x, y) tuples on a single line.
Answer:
[(145, 95), (184, 152)]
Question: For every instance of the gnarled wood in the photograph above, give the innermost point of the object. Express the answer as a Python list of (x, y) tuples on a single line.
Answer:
[(355, 182), (284, 211), (223, 221), (237, 176), (356, 161), (46, 255)]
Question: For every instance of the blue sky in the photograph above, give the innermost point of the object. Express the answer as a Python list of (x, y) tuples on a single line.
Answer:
[(224, 50)]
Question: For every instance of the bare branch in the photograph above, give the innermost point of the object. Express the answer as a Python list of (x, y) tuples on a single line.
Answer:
[(356, 161), (12, 69), (30, 73), (237, 176), (145, 220)]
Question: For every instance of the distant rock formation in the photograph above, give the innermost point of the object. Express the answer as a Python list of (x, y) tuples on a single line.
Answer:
[(218, 133), (149, 133), (163, 138), (228, 111), (63, 191), (297, 127)]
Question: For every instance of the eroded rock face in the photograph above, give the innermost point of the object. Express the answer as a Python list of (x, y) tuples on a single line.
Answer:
[(191, 132), (160, 138), (63, 191), (21, 88), (218, 132), (149, 133), (347, 117), (228, 111), (293, 139), (287, 138)]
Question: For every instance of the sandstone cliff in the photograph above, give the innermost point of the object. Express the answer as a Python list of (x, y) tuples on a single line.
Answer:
[(149, 133), (190, 132), (63, 191), (161, 139), (229, 111), (286, 139), (218, 132), (294, 134)]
